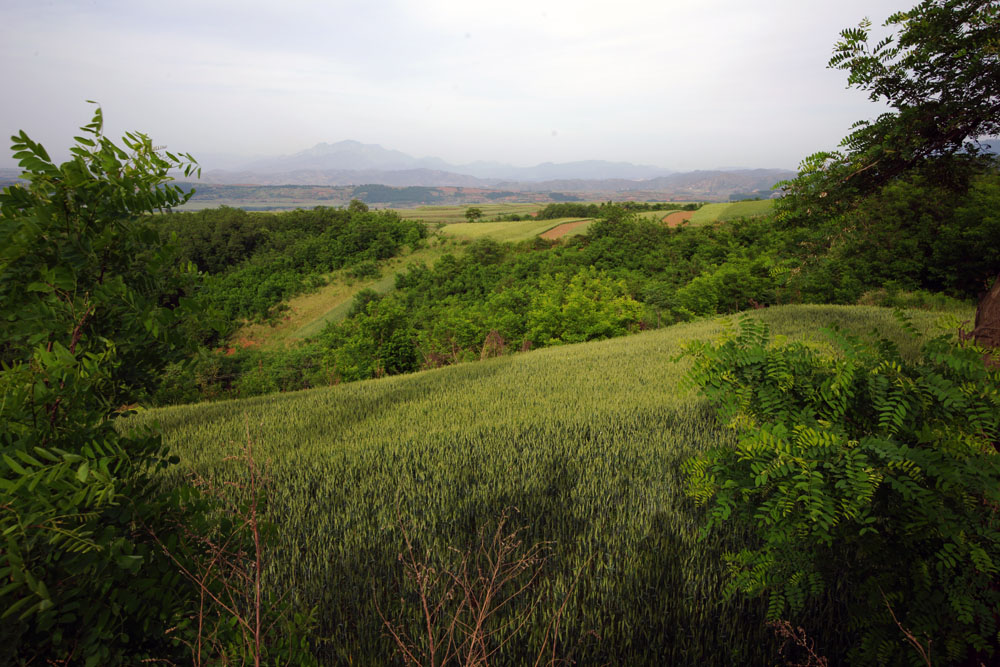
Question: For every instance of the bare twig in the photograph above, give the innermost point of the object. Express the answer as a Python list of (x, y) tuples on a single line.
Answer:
[(925, 653), (791, 635), (459, 605)]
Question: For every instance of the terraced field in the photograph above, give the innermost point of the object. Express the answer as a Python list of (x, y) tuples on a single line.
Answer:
[(586, 441), (710, 213), (507, 231)]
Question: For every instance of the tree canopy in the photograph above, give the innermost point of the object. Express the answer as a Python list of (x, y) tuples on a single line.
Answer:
[(939, 72)]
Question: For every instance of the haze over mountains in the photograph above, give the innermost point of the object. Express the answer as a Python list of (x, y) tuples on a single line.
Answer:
[(356, 156), (355, 163)]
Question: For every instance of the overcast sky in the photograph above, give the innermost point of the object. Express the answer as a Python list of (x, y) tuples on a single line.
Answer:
[(682, 84)]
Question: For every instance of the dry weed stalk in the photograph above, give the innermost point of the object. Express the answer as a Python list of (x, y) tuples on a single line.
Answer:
[(792, 636), (924, 652), (226, 568), (459, 605)]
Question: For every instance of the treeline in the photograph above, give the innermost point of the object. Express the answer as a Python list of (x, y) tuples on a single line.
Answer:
[(578, 210)]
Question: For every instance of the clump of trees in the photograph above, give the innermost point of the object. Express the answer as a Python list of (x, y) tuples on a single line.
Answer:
[(254, 261)]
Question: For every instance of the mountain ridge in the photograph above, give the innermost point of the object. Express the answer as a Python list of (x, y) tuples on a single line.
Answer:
[(357, 156)]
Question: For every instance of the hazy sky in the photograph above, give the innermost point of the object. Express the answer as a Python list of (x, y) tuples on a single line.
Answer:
[(682, 84)]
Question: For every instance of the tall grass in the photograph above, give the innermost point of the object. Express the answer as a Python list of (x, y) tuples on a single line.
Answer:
[(585, 441)]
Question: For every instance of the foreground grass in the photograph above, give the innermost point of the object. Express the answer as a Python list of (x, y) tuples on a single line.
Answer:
[(586, 441)]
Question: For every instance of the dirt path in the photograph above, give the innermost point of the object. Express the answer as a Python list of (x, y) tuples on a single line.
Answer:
[(563, 229), (677, 217)]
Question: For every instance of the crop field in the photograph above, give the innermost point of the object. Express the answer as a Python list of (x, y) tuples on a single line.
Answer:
[(585, 441), (568, 229), (710, 213), (675, 218), (507, 231), (453, 214), (747, 209)]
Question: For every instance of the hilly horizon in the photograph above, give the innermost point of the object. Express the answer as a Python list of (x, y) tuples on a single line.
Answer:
[(357, 156), (352, 162)]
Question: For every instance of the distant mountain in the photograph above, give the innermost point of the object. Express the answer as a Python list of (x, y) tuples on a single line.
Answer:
[(319, 176), (356, 156), (583, 169), (354, 163), (346, 155)]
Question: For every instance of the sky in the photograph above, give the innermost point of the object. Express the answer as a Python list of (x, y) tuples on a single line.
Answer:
[(680, 84)]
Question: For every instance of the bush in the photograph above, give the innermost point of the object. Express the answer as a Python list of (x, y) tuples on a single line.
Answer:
[(94, 307), (867, 478)]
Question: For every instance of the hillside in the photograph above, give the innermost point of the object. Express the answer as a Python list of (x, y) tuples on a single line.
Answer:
[(586, 441)]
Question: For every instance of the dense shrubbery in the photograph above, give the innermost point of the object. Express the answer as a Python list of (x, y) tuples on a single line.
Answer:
[(863, 473), (255, 261)]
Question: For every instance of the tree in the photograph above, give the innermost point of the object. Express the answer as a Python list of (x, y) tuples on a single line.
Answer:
[(939, 72), (93, 306), (472, 214)]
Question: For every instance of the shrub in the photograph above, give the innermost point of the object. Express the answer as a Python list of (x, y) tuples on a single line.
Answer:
[(864, 474)]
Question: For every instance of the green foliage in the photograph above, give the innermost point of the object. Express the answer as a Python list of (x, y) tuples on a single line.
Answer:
[(578, 308), (378, 341), (864, 476), (257, 260), (473, 214), (581, 210), (939, 72), (93, 306)]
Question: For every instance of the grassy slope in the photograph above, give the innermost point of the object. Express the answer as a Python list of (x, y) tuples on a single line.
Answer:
[(710, 213), (309, 313), (507, 231), (585, 440)]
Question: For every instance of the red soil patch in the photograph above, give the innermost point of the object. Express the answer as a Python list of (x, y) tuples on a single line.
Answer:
[(242, 342), (563, 229), (677, 217)]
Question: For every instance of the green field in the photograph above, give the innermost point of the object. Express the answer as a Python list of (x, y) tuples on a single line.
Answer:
[(507, 231), (710, 213), (453, 214), (586, 441)]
